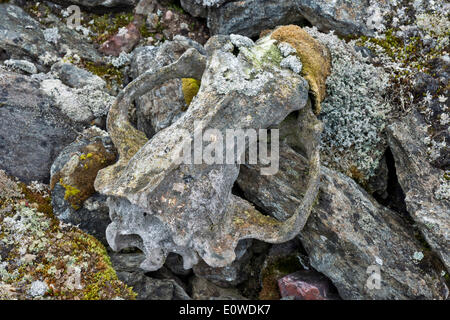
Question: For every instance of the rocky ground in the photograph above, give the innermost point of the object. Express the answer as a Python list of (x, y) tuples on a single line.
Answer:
[(93, 204)]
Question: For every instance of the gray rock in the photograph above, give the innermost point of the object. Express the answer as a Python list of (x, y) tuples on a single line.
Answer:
[(359, 17), (426, 189), (21, 65), (160, 107), (100, 3), (347, 232), (147, 288), (22, 37), (32, 130), (202, 289), (201, 217), (250, 17), (25, 38), (231, 275), (76, 77), (76, 167), (80, 105)]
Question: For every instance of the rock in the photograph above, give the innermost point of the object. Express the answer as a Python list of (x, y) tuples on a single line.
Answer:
[(38, 289), (306, 285), (150, 175), (231, 275), (427, 189), (75, 77), (159, 108), (80, 105), (25, 38), (43, 258), (22, 36), (124, 41), (147, 288), (250, 17), (22, 65), (32, 130), (202, 289), (103, 3), (360, 17), (74, 199), (348, 233)]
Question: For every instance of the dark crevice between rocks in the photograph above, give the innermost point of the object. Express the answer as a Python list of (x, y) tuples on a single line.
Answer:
[(395, 199)]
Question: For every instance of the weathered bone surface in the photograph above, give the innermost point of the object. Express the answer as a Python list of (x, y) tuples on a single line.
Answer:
[(162, 206)]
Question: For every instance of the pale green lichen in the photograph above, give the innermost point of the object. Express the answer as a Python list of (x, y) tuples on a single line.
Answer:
[(72, 264)]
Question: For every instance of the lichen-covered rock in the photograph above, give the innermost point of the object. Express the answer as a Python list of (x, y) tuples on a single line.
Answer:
[(80, 105), (250, 17), (22, 36), (73, 173), (201, 217), (160, 107), (100, 3), (41, 258), (25, 38), (32, 130), (427, 189), (75, 77), (354, 112), (21, 65), (348, 232)]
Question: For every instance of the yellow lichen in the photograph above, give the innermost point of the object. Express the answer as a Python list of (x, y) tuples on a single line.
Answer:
[(315, 58)]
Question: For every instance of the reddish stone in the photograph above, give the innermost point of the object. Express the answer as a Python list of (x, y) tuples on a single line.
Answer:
[(306, 285), (124, 40)]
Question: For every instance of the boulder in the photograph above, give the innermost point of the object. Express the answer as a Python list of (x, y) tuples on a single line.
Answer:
[(348, 234), (427, 189), (73, 172), (25, 38), (32, 130), (250, 17)]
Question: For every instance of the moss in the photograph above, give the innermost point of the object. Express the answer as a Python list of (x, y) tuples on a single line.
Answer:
[(107, 72), (275, 270), (105, 26), (79, 184), (315, 58), (176, 8), (190, 88), (54, 253)]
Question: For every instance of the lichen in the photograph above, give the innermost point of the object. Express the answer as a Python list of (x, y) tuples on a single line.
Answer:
[(40, 248), (354, 112)]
